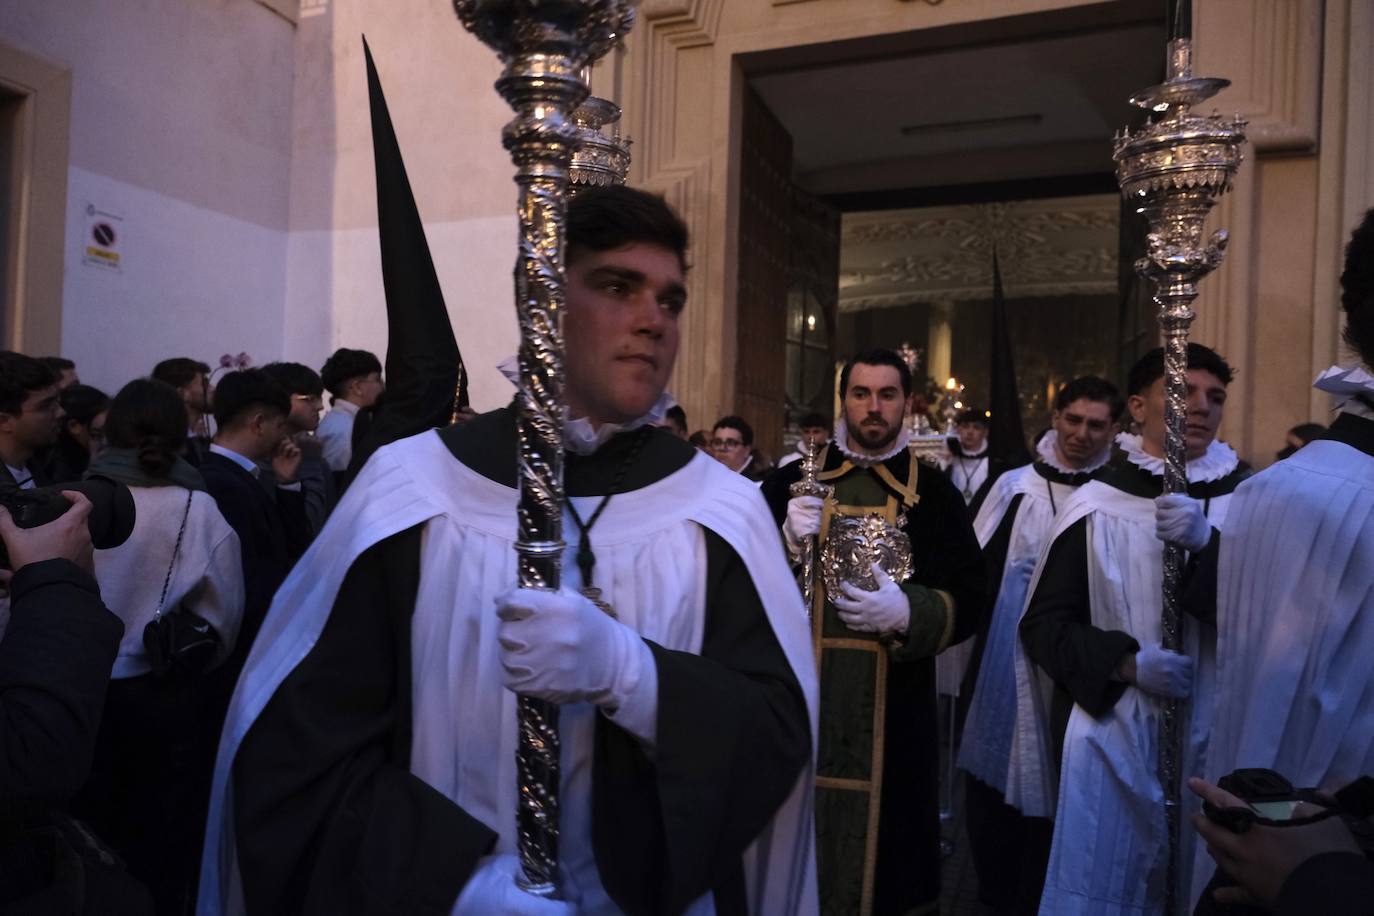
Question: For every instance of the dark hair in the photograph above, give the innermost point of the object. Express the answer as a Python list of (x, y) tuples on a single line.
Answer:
[(239, 392), (58, 364), (148, 415), (1091, 388), (1150, 367), (83, 403), (1357, 289), (179, 371), (604, 219), (698, 438), (972, 415), (1307, 431), (746, 432), (677, 415), (877, 357), (812, 420), (346, 365), (21, 375), (295, 378)]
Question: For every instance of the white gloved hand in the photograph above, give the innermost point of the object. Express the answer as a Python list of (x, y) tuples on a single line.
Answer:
[(884, 611), (803, 520), (492, 889), (1179, 519), (560, 647), (1163, 673)]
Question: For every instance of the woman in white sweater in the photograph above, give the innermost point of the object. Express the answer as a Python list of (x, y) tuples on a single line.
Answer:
[(150, 777)]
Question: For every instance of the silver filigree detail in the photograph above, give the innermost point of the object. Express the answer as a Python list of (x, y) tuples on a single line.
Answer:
[(855, 542), (545, 44), (809, 486)]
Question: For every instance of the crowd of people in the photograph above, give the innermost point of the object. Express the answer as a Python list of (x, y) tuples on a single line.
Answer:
[(289, 684)]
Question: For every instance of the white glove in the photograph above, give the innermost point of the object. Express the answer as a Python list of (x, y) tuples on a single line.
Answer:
[(1179, 519), (803, 520), (492, 889), (1163, 673), (884, 611), (560, 647)]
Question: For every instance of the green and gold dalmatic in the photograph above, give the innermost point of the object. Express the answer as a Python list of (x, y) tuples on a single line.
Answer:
[(861, 522)]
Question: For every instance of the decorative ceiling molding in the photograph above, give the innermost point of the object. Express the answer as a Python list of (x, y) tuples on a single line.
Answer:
[(1064, 246), (685, 23)]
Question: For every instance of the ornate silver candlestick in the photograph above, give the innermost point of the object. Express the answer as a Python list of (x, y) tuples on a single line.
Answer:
[(544, 45), (809, 486), (1174, 169), (599, 160)]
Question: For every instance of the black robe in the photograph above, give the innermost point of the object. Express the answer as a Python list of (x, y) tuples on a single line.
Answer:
[(329, 818), (946, 557)]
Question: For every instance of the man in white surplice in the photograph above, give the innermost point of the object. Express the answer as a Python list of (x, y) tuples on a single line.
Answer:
[(367, 764), (1009, 849), (1294, 597), (1092, 625)]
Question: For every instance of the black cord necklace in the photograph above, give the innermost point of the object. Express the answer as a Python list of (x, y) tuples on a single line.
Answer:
[(586, 557)]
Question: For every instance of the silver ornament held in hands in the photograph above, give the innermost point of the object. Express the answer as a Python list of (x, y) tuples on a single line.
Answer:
[(544, 44)]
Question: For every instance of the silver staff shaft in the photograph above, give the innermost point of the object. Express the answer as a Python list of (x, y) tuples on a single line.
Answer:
[(544, 44), (809, 486)]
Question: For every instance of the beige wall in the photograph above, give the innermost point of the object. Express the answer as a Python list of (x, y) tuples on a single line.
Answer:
[(1301, 74)]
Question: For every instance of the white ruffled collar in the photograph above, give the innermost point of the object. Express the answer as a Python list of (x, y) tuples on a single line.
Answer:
[(579, 436), (865, 461), (1348, 383), (1047, 453), (1218, 461)]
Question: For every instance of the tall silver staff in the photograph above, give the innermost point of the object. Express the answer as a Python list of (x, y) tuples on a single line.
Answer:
[(1174, 169), (809, 486), (544, 45)]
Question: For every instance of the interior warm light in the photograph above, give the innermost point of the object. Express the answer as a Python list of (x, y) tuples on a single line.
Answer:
[(952, 384), (811, 322), (958, 405), (987, 413)]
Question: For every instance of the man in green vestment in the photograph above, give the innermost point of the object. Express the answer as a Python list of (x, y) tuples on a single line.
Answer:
[(877, 806)]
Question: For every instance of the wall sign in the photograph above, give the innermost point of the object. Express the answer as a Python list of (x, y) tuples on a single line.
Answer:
[(102, 243)]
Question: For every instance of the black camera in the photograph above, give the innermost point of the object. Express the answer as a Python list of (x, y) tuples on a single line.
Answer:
[(1271, 800), (112, 509)]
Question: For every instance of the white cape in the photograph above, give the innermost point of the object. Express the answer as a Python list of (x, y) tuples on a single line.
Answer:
[(1295, 624), (464, 721), (1108, 851), (985, 749)]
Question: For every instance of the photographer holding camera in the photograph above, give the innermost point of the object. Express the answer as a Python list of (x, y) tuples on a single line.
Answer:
[(55, 658)]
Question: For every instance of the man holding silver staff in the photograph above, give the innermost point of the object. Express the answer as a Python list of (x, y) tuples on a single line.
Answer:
[(368, 764), (1092, 625), (901, 580)]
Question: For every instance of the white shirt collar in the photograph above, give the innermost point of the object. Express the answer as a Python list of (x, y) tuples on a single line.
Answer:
[(1218, 461), (348, 408), (579, 436), (1045, 450), (247, 464), (1347, 383), (862, 460)]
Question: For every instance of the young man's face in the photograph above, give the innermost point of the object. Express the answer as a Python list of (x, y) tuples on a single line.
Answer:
[(366, 389), (197, 394), (38, 421), (1083, 430), (874, 405), (621, 331), (972, 437), (305, 412), (268, 427), (1206, 406), (815, 435), (727, 447)]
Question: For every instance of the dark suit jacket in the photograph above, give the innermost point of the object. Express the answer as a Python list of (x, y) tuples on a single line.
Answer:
[(273, 532)]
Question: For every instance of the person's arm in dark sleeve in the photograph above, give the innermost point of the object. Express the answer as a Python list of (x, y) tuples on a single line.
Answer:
[(291, 512), (733, 735), (1057, 632), (1329, 884), (328, 817), (55, 662), (948, 589)]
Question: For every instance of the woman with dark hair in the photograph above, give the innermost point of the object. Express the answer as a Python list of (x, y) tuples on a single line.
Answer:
[(82, 434), (150, 778)]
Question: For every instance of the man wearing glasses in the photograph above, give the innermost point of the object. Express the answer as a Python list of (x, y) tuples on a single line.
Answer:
[(30, 417), (732, 444), (307, 400)]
